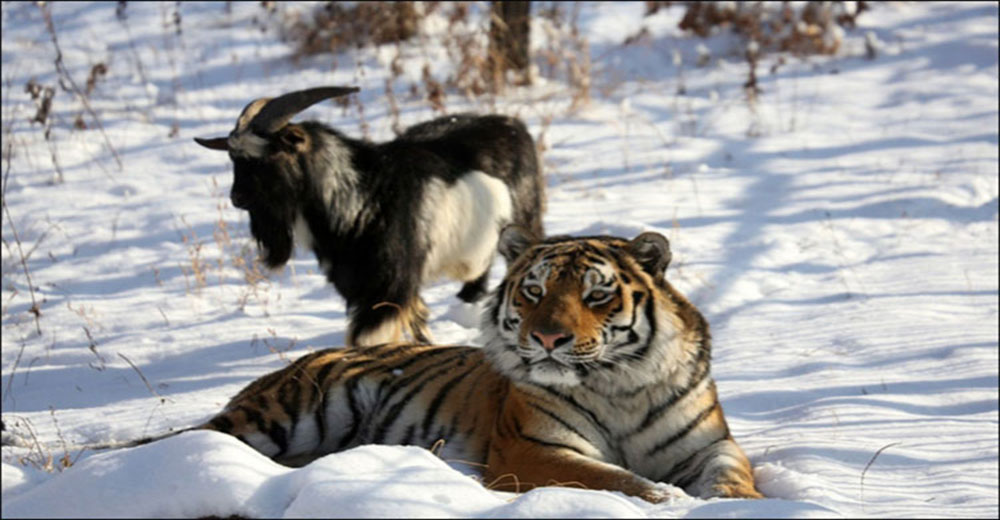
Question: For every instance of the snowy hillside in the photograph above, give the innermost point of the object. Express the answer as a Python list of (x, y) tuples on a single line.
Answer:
[(840, 234)]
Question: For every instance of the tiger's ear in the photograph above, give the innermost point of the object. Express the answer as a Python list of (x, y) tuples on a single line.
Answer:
[(514, 240), (652, 251)]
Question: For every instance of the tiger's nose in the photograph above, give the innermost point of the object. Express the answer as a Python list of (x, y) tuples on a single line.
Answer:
[(553, 340)]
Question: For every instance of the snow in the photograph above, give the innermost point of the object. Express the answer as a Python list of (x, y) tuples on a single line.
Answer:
[(840, 235)]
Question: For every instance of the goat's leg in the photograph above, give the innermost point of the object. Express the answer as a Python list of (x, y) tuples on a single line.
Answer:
[(375, 324), (473, 290), (417, 315), (388, 321)]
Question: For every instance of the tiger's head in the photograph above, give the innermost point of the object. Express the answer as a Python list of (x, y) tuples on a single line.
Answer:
[(594, 311)]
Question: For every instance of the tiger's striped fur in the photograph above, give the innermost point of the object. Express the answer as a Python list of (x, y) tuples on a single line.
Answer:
[(595, 372), (609, 369)]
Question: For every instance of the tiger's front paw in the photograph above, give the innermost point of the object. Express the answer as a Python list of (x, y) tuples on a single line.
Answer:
[(661, 492), (736, 490)]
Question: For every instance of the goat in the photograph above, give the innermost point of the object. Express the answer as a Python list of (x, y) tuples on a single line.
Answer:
[(383, 219)]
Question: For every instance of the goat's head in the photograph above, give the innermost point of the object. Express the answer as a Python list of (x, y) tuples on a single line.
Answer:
[(263, 140), (265, 149)]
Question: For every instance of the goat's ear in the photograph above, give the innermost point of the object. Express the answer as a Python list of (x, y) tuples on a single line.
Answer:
[(515, 240), (293, 138), (216, 143), (652, 251)]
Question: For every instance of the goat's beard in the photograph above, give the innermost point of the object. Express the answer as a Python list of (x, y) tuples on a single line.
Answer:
[(273, 233)]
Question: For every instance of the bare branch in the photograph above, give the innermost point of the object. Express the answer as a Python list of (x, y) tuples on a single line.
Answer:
[(65, 75)]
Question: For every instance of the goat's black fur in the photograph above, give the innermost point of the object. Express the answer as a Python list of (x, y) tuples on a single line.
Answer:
[(365, 206)]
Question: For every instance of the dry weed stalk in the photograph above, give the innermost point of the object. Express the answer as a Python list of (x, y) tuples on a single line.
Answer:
[(89, 316), (390, 96), (566, 57), (434, 90), (165, 319), (64, 461), (92, 346), (38, 456), (362, 121), (42, 96), (194, 249), (10, 379), (750, 87), (67, 83), (271, 344), (578, 62), (256, 279), (242, 258), (172, 25), (143, 378), (122, 17), (35, 308), (870, 462), (395, 71)]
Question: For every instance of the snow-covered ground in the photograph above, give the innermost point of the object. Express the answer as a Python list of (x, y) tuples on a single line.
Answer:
[(840, 235)]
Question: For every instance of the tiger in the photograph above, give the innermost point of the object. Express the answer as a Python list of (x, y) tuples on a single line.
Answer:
[(593, 372)]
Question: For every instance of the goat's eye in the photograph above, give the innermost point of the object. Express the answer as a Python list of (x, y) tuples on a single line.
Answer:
[(533, 290)]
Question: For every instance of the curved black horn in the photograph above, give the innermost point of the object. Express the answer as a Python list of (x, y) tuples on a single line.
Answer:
[(277, 112), (218, 143)]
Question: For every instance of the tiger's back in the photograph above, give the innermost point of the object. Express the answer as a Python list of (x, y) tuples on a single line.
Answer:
[(337, 399)]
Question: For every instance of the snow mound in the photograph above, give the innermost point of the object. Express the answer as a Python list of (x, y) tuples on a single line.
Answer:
[(205, 473)]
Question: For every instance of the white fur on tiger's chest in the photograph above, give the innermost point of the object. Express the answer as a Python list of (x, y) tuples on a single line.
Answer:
[(613, 426), (463, 222)]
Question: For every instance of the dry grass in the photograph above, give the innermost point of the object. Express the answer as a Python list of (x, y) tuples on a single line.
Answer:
[(35, 308), (335, 27), (195, 273), (232, 256), (66, 80), (22, 433), (471, 69), (801, 30), (272, 343)]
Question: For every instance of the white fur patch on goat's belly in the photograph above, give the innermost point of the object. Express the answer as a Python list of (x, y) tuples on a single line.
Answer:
[(465, 220)]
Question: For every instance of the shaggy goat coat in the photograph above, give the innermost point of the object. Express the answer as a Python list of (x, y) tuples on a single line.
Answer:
[(384, 219)]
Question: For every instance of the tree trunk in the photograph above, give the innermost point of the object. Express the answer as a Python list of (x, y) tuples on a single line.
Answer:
[(509, 27)]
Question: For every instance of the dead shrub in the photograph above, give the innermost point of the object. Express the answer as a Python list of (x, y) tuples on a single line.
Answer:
[(800, 29), (335, 26)]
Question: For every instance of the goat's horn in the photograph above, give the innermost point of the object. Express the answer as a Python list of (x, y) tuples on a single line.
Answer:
[(278, 111), (218, 143)]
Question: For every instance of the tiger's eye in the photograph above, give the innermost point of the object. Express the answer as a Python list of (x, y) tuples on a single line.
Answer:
[(597, 295), (533, 290)]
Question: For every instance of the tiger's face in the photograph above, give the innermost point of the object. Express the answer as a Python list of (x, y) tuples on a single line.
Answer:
[(593, 311)]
